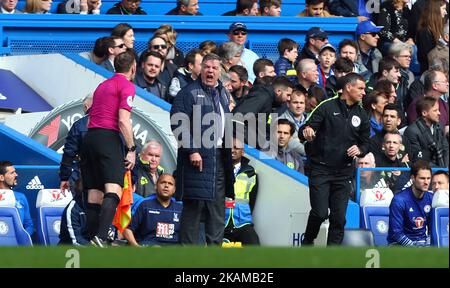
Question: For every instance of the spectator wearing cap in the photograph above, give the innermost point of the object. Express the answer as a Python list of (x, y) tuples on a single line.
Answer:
[(186, 8), (244, 8), (237, 33), (284, 66), (327, 57), (314, 40), (369, 56), (315, 8)]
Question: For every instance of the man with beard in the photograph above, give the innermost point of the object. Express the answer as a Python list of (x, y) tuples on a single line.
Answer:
[(8, 179), (410, 210)]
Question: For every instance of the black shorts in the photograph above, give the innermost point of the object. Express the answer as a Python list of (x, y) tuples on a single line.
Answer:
[(102, 159)]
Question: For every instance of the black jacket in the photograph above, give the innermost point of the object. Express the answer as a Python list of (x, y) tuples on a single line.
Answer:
[(332, 86), (422, 147), (376, 143), (337, 127), (69, 168), (260, 99), (306, 54), (118, 9)]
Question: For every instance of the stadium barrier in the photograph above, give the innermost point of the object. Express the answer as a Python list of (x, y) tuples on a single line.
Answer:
[(37, 34)]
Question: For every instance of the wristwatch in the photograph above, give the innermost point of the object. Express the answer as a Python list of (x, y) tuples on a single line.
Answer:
[(131, 149)]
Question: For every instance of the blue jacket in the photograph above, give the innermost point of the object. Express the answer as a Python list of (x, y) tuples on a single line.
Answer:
[(284, 67), (409, 218), (152, 224), (191, 183), (73, 224), (24, 212), (69, 169)]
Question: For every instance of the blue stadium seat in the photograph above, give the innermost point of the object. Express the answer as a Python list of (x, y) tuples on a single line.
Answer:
[(376, 219), (12, 232), (50, 205), (439, 226)]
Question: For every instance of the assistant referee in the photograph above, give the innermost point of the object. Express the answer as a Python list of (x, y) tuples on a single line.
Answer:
[(103, 155)]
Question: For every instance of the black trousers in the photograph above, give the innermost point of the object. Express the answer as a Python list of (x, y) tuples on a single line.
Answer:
[(214, 212), (328, 189), (245, 234)]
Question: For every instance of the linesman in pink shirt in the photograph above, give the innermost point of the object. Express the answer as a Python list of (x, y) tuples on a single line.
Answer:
[(104, 155)]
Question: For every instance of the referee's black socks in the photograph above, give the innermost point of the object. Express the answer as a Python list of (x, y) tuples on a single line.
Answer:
[(92, 217), (110, 202)]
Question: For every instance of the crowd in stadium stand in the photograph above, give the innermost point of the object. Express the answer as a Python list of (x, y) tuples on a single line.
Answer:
[(408, 113)]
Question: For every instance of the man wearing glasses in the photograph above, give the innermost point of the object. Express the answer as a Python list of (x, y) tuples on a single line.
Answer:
[(237, 33), (158, 44), (114, 46), (369, 56), (127, 7), (314, 40)]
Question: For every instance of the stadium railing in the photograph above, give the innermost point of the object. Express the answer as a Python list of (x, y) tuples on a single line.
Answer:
[(33, 33)]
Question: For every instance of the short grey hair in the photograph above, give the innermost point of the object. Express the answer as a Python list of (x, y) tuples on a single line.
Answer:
[(396, 49), (152, 143), (229, 49), (209, 57), (304, 65)]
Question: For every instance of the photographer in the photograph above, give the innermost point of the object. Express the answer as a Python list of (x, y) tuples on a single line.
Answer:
[(426, 136)]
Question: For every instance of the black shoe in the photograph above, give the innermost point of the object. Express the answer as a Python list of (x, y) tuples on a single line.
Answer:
[(97, 242), (305, 242)]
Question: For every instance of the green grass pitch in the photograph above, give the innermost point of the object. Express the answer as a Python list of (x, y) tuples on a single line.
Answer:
[(202, 257)]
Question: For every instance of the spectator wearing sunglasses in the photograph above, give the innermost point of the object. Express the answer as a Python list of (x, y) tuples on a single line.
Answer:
[(237, 33), (158, 44), (314, 40), (368, 55), (114, 46)]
